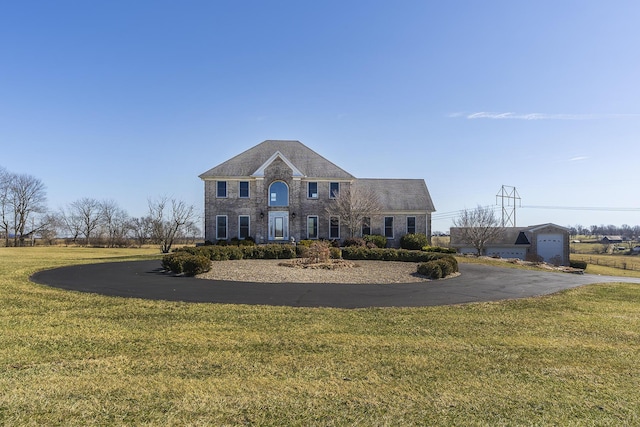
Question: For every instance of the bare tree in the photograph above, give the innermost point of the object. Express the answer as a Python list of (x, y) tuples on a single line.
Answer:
[(141, 228), (5, 179), (86, 215), (478, 226), (169, 217), (116, 223), (352, 205), (22, 198)]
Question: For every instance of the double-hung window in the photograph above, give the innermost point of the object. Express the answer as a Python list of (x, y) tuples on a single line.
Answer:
[(243, 227), (334, 190), (411, 224), (388, 227), (221, 189), (334, 227), (312, 227), (243, 190), (312, 190), (366, 226), (221, 227)]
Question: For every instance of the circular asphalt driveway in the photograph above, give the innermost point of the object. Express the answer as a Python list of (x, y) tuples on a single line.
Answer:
[(145, 279)]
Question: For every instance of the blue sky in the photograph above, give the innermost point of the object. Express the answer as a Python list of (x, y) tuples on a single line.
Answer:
[(130, 100)]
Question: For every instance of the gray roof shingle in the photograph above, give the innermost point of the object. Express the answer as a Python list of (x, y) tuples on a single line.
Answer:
[(310, 163), (399, 194)]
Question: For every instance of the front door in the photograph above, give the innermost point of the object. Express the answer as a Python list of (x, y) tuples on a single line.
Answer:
[(279, 226)]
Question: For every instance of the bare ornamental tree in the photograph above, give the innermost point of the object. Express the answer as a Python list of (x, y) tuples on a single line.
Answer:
[(169, 219), (352, 205), (479, 226)]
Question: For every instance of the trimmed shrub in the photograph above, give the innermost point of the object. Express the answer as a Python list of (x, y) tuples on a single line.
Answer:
[(413, 241), (439, 249), (336, 253), (578, 264), (431, 269), (438, 268), (376, 239), (186, 263)]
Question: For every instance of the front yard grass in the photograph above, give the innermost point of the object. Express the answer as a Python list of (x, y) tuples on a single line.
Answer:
[(69, 358)]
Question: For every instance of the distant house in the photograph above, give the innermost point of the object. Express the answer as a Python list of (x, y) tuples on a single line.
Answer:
[(548, 242), (611, 239), (278, 190)]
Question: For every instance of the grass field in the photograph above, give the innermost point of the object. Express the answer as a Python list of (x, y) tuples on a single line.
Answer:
[(79, 359)]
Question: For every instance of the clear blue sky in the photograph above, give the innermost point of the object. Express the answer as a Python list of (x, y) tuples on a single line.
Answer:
[(128, 100)]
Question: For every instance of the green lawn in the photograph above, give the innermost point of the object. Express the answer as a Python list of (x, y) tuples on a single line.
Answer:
[(78, 359)]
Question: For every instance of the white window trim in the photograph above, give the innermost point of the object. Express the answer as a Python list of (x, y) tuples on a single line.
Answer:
[(249, 226), (226, 227), (330, 236), (331, 196), (226, 190), (312, 197), (317, 226), (384, 227), (248, 190)]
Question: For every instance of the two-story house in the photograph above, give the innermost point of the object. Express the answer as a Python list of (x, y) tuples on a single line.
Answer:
[(279, 190)]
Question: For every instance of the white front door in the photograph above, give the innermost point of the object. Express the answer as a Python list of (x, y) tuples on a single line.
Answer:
[(279, 226)]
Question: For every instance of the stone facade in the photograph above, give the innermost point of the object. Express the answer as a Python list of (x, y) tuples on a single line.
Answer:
[(263, 215)]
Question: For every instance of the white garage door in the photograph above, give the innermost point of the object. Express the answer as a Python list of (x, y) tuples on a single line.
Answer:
[(550, 246), (507, 252)]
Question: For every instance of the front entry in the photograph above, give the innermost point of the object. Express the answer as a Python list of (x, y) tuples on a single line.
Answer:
[(279, 226)]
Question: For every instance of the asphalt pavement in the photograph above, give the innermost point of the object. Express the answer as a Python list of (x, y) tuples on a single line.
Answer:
[(476, 283)]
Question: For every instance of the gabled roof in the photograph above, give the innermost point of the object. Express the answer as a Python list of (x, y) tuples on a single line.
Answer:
[(253, 161), (399, 194), (510, 235)]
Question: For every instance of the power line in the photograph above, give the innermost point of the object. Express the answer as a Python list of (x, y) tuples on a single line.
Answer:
[(585, 208), (455, 214)]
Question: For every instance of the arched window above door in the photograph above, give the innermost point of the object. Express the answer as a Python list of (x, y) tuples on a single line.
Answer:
[(278, 194)]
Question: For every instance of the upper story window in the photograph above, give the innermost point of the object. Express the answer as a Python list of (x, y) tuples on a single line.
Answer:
[(312, 190), (221, 189), (243, 190), (278, 194), (334, 190)]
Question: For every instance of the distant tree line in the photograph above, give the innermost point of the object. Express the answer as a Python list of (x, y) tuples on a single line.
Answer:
[(626, 231), (24, 217)]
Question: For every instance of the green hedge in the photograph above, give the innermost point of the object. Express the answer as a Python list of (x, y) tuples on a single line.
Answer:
[(439, 268), (186, 263), (413, 241), (439, 249), (376, 239), (224, 253), (388, 254), (578, 264)]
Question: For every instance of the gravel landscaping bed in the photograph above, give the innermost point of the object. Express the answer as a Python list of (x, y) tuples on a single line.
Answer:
[(268, 271)]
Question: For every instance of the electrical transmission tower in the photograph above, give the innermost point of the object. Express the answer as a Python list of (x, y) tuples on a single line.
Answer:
[(509, 197)]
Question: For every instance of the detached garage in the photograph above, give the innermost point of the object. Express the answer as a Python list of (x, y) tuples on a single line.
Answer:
[(546, 242)]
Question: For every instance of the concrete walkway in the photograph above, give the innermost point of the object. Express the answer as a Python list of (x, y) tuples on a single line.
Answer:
[(144, 279)]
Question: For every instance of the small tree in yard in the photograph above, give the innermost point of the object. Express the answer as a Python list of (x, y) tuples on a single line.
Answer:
[(353, 205), (479, 226), (168, 218)]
